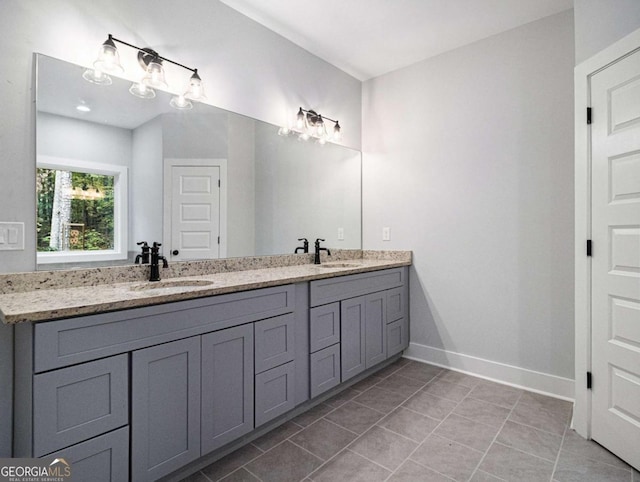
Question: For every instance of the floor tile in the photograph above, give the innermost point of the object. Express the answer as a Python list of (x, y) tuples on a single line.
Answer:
[(419, 371), (511, 464), (323, 439), (240, 475), (367, 383), (349, 466), (380, 400), (434, 407), (447, 457), (409, 423), (481, 476), (231, 462), (389, 370), (284, 463), (342, 397), (401, 385), (528, 439), (467, 432), (483, 412), (459, 378), (541, 417), (197, 477), (444, 389), (413, 472), (386, 448), (355, 417), (575, 444), (578, 468), (277, 435), (307, 418), (496, 393)]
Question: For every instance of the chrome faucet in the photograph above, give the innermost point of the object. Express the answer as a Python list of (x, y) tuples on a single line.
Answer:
[(155, 260), (304, 247), (316, 260)]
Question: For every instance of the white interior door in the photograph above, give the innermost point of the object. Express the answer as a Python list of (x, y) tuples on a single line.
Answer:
[(195, 212), (615, 295)]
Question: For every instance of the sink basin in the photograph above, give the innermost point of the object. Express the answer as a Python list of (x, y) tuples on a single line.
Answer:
[(187, 283), (339, 265)]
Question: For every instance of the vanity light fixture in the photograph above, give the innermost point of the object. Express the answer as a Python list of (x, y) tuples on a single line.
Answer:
[(108, 62), (311, 125)]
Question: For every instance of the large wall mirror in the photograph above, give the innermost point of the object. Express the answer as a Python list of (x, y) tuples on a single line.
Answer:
[(114, 169)]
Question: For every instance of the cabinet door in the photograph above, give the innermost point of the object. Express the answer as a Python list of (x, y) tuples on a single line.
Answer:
[(324, 326), (376, 328), (397, 336), (275, 392), (325, 369), (274, 342), (165, 408), (227, 386), (396, 303), (101, 459), (352, 337)]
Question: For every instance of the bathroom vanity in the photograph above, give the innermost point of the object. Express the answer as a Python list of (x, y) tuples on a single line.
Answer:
[(140, 384)]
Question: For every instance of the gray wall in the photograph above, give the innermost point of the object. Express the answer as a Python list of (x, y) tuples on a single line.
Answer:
[(246, 68), (599, 23), (468, 158)]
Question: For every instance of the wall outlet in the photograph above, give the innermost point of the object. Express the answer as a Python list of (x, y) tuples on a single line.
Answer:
[(11, 236), (340, 234), (386, 234)]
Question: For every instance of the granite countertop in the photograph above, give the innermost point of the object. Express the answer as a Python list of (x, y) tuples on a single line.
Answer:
[(47, 304)]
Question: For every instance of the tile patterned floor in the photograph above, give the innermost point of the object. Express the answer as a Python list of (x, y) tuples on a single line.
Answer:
[(413, 422)]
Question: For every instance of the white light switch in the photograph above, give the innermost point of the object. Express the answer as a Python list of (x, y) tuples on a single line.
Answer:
[(386, 234), (340, 234), (12, 236)]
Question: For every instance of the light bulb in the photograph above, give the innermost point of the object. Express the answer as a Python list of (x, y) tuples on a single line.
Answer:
[(108, 57), (196, 89), (155, 74), (300, 120), (304, 136), (337, 132), (284, 131), (141, 90), (96, 76), (319, 127), (180, 102)]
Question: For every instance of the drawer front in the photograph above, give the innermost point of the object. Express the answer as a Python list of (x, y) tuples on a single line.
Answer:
[(274, 342), (75, 340), (275, 391), (396, 304), (324, 326), (325, 370), (344, 287), (76, 403), (397, 336), (102, 459)]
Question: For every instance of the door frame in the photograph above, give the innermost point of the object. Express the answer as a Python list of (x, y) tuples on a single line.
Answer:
[(169, 162), (582, 85)]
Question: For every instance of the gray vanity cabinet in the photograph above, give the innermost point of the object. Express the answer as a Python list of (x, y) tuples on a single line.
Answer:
[(352, 337), (227, 386), (165, 408), (275, 393)]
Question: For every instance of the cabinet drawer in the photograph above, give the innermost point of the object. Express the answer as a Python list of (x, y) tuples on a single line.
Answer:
[(396, 304), (397, 336), (76, 403), (325, 369), (274, 342), (274, 393), (102, 459), (344, 287), (324, 326)]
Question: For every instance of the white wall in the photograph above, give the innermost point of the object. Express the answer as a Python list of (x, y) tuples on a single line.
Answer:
[(468, 158), (599, 23)]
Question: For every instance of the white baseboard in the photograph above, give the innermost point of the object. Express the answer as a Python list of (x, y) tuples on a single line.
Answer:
[(531, 380)]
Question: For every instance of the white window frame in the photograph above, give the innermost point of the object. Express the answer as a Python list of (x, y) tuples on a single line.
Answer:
[(120, 210)]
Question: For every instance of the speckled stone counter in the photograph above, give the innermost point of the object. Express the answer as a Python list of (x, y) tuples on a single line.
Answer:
[(42, 296)]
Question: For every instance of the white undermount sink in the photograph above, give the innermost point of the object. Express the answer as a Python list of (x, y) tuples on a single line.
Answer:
[(187, 283)]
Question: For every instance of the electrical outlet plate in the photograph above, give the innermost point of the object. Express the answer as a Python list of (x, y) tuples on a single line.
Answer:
[(386, 234), (340, 234), (11, 236)]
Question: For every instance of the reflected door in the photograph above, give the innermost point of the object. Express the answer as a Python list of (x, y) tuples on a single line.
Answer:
[(615, 417), (195, 212)]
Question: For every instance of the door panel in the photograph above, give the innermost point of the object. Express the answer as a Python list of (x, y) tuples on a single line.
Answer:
[(376, 328), (352, 337), (615, 297)]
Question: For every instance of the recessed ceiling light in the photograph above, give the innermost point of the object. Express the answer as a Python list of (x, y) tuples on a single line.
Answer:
[(83, 108)]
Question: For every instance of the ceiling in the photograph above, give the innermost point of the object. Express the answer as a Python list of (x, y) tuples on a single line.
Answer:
[(368, 38)]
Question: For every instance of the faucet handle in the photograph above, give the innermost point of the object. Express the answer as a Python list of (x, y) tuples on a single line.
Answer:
[(156, 244), (303, 239), (320, 240), (143, 244)]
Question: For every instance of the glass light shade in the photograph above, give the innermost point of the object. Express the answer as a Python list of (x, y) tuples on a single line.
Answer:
[(319, 128), (96, 76), (284, 131), (108, 58), (300, 120), (154, 76), (337, 133), (141, 90), (180, 102), (304, 136), (322, 140), (196, 89)]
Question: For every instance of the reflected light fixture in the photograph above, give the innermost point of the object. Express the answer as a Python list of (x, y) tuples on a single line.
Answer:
[(311, 125), (108, 62)]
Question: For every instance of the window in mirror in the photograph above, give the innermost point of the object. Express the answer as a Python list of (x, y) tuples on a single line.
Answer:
[(80, 209)]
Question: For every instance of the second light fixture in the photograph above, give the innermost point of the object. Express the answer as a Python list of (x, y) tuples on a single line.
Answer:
[(311, 125)]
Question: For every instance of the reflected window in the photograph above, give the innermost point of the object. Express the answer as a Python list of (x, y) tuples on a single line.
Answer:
[(80, 211)]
